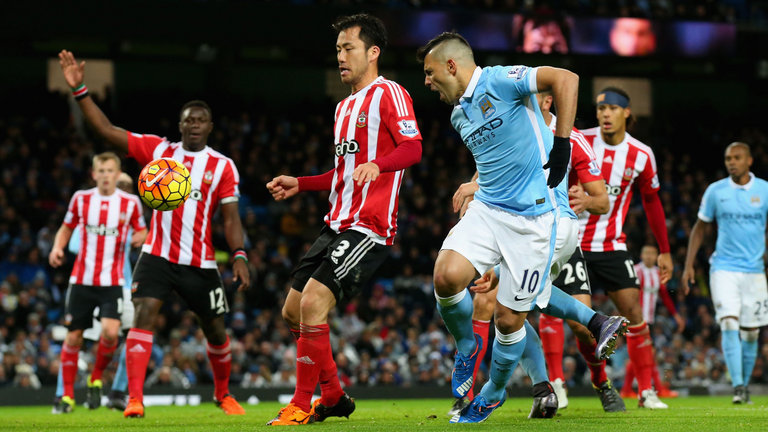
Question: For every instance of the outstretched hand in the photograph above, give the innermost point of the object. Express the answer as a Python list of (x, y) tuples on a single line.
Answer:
[(282, 187), (74, 73)]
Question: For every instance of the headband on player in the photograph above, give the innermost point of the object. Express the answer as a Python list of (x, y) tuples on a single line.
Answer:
[(612, 98)]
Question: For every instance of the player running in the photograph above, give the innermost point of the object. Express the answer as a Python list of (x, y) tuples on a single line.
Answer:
[(103, 215), (651, 289), (118, 395), (512, 220), (584, 176), (376, 139), (178, 254), (739, 205), (625, 163)]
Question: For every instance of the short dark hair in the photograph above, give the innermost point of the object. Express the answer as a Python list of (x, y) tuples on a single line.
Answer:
[(372, 29), (422, 52), (196, 104)]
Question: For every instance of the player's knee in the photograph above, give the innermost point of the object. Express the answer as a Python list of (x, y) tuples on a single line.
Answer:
[(749, 336), (291, 315), (448, 281), (74, 338), (729, 323)]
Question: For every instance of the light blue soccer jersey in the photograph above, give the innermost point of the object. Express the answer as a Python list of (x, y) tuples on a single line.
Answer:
[(740, 212), (502, 126)]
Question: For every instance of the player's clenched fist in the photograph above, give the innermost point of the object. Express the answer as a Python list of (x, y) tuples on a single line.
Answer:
[(283, 187)]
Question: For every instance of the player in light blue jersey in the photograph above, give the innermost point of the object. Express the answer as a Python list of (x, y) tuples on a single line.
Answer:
[(512, 221), (117, 395), (739, 205)]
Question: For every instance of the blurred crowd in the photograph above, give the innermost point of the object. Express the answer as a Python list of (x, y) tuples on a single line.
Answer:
[(390, 334), (736, 11)]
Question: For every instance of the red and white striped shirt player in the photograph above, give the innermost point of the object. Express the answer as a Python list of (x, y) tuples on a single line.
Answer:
[(623, 166), (183, 236), (369, 125), (105, 221), (651, 287)]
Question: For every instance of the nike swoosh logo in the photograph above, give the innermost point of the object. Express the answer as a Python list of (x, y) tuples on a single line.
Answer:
[(159, 175), (520, 299)]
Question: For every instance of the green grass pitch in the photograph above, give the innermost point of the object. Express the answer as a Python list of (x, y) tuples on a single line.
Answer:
[(701, 414)]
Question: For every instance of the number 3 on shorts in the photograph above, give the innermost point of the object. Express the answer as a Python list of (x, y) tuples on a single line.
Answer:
[(339, 252), (217, 300)]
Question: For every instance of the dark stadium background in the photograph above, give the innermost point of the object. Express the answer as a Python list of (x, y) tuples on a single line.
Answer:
[(267, 68)]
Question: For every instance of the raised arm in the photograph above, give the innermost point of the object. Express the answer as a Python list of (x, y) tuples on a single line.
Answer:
[(694, 243), (74, 74)]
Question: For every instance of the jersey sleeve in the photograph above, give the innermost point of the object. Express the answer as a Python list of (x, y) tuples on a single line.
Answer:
[(142, 147), (516, 82), (397, 114), (707, 207), (229, 186), (583, 160), (72, 218), (648, 178), (137, 219)]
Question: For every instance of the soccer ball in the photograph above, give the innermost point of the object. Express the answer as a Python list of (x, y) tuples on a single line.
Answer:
[(164, 184)]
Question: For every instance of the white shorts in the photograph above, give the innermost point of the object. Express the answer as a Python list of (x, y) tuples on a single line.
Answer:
[(126, 310), (565, 244), (742, 295), (522, 245)]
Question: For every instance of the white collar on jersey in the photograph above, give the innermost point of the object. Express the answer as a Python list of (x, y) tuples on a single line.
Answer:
[(744, 186), (364, 89), (472, 83)]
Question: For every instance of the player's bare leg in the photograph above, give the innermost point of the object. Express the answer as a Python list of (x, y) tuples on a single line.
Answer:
[(292, 311), (138, 345), (639, 345), (453, 272)]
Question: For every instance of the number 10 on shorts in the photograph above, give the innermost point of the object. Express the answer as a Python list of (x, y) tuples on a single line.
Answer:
[(531, 282)]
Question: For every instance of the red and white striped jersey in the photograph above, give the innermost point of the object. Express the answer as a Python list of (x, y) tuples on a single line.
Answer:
[(582, 168), (650, 290), (183, 236), (369, 124), (624, 165), (105, 221)]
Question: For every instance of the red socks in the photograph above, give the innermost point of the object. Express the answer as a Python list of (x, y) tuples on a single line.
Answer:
[(553, 343), (629, 377), (138, 347), (481, 328), (103, 357), (312, 350), (330, 386), (596, 367), (220, 357), (640, 349), (69, 355)]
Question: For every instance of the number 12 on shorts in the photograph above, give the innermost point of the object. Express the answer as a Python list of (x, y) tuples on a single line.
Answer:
[(217, 300)]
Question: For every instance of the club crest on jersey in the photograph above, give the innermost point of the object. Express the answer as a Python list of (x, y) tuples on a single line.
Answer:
[(208, 177), (486, 107), (362, 120), (408, 128), (67, 319), (628, 174), (122, 217), (134, 286), (755, 201)]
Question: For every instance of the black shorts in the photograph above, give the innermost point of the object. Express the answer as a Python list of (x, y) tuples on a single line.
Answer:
[(343, 262), (573, 277), (83, 299), (611, 271), (201, 288)]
